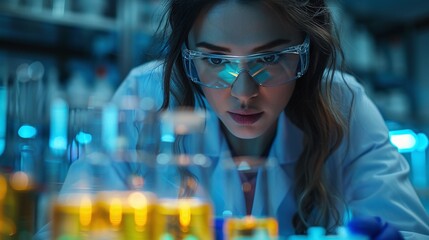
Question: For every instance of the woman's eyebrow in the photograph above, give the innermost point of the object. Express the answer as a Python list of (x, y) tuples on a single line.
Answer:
[(266, 46), (272, 44), (212, 47)]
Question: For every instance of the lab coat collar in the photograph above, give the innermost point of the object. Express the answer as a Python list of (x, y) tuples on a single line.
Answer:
[(286, 147)]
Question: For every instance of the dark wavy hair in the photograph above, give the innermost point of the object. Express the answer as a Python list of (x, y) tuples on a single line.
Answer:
[(310, 107)]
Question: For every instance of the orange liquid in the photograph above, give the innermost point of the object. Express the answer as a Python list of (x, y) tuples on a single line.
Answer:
[(259, 228), (183, 218)]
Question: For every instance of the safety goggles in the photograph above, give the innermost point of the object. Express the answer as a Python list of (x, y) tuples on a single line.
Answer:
[(267, 69)]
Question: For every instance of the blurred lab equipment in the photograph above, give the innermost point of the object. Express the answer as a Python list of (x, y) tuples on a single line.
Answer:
[(415, 144), (184, 208), (254, 189)]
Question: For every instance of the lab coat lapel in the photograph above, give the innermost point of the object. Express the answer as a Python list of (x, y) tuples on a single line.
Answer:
[(282, 157), (226, 187), (272, 185), (226, 192)]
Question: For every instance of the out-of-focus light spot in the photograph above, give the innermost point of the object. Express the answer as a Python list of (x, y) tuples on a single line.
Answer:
[(316, 232), (110, 127), (20, 181), (137, 181), (58, 126), (167, 138), (422, 142), (201, 159), (83, 138), (184, 212), (244, 166), (227, 213), (183, 160), (27, 131), (163, 159), (249, 222), (115, 211), (85, 211), (58, 143), (139, 202), (405, 140)]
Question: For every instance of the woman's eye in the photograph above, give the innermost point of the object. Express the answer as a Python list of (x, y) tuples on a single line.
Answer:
[(215, 61), (273, 58)]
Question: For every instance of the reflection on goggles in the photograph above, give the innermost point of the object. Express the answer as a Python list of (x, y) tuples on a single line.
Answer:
[(232, 70)]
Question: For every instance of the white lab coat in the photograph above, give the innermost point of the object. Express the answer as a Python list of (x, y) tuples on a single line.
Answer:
[(367, 171)]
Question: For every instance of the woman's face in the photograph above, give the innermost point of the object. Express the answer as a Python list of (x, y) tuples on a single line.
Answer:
[(246, 109)]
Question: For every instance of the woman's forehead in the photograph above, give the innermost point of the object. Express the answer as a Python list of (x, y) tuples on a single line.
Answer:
[(232, 23)]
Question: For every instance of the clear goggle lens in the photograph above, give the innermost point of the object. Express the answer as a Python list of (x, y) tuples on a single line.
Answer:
[(267, 69)]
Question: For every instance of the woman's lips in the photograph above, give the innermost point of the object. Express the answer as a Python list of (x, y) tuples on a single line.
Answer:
[(245, 118)]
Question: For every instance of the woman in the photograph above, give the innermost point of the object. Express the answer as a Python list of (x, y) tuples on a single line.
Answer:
[(267, 70), (333, 141)]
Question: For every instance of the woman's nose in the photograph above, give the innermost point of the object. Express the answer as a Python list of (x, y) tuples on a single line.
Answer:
[(244, 87)]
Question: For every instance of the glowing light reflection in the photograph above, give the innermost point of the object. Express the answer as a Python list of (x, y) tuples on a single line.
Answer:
[(85, 211), (27, 131), (184, 212), (405, 140), (84, 138), (139, 202), (20, 181), (115, 212)]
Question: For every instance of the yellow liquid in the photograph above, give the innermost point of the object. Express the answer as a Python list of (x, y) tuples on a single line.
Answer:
[(131, 216), (18, 210), (182, 219), (67, 223), (127, 216), (7, 226), (259, 228)]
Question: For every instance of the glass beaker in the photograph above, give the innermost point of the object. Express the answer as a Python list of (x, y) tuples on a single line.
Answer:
[(103, 198), (119, 215), (138, 145), (184, 208), (247, 185)]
